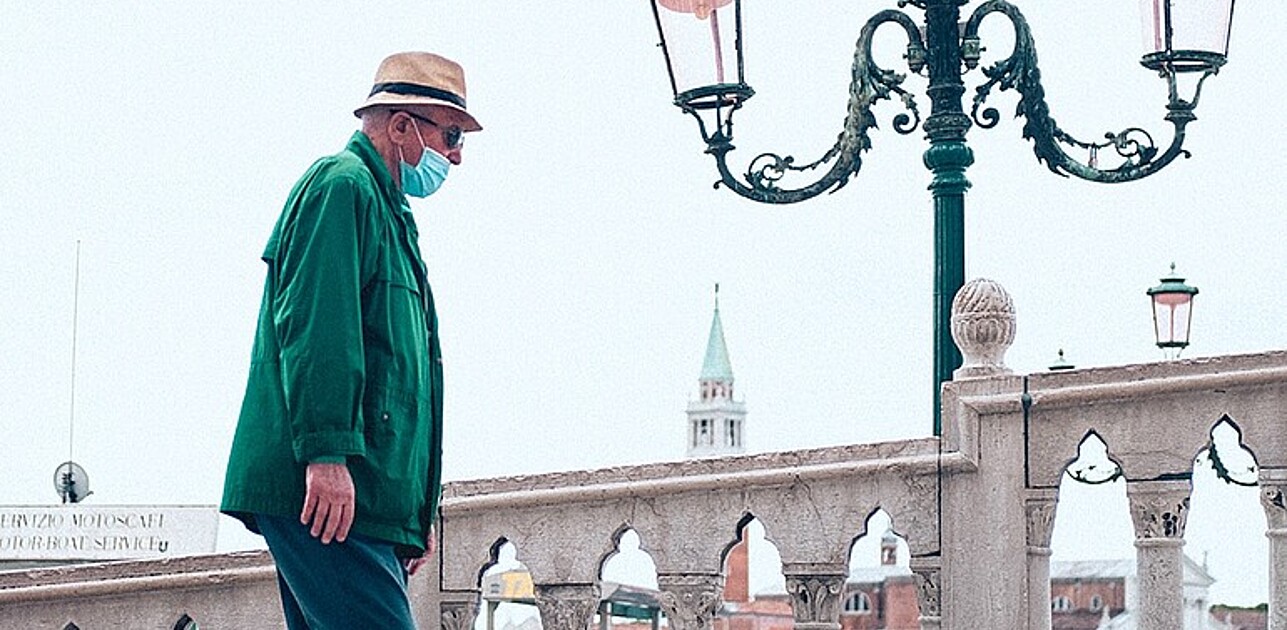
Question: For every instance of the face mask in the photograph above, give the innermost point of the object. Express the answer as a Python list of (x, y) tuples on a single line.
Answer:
[(424, 178)]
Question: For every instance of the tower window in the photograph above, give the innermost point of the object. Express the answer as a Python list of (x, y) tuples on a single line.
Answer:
[(731, 437), (704, 437), (1096, 602), (858, 604)]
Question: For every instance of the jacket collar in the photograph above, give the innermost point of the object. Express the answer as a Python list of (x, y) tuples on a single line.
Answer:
[(361, 146)]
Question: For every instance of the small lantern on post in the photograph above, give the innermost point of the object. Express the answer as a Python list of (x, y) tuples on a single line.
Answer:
[(1172, 312), (1186, 35), (702, 42)]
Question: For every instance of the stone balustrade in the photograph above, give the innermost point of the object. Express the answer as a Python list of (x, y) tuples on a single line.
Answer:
[(976, 507)]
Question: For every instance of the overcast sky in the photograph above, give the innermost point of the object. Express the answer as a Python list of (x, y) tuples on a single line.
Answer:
[(573, 254)]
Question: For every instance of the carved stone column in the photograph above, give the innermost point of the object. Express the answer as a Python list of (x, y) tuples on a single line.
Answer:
[(690, 599), (567, 606), (929, 580), (1160, 510), (1040, 507), (815, 591), (458, 609), (1273, 496)]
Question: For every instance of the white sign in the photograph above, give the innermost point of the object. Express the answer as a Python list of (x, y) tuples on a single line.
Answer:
[(106, 532)]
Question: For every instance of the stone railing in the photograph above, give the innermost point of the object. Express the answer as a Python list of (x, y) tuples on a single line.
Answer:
[(976, 507)]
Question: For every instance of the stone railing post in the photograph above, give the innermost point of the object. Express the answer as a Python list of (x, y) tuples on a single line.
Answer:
[(690, 600), (567, 606), (815, 590), (929, 580), (1160, 510), (1040, 507), (1273, 496), (458, 609)]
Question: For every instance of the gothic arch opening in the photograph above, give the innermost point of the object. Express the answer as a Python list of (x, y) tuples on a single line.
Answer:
[(755, 595), (880, 591), (1092, 563), (508, 596), (1225, 535), (629, 564)]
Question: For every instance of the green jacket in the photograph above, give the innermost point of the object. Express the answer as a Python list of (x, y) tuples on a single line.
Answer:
[(346, 364)]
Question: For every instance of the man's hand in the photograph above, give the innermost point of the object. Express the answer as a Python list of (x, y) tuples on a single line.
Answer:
[(328, 501), (431, 545)]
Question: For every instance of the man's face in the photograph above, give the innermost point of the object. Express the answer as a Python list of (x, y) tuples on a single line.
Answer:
[(439, 127)]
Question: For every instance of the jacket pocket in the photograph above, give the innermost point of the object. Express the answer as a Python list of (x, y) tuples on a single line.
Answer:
[(390, 480)]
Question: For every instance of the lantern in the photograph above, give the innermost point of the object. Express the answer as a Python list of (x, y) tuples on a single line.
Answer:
[(1186, 35), (1172, 311), (702, 43)]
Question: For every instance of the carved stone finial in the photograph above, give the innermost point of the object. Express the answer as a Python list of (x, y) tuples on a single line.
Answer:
[(983, 325)]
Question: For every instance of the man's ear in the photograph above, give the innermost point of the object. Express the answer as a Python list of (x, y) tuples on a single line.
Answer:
[(399, 126)]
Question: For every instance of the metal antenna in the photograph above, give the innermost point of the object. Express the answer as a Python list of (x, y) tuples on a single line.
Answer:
[(71, 431)]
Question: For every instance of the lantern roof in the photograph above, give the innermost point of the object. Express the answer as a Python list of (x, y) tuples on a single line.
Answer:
[(1173, 283)]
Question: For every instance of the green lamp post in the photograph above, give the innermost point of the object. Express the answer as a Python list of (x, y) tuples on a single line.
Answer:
[(1172, 313), (701, 41)]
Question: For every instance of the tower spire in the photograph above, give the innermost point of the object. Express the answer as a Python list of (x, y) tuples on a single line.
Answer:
[(716, 366)]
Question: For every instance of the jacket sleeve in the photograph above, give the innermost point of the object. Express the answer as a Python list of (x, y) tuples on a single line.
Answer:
[(317, 311)]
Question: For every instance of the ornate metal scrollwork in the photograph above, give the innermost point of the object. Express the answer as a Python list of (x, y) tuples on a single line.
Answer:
[(870, 84), (1140, 156)]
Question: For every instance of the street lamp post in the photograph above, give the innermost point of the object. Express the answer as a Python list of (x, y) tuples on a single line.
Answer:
[(702, 44)]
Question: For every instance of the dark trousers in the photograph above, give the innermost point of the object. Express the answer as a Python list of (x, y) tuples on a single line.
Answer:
[(353, 585)]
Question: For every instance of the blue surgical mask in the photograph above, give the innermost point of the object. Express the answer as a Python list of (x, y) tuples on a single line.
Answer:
[(425, 178)]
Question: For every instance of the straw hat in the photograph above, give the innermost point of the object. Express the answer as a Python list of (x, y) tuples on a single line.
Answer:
[(420, 78)]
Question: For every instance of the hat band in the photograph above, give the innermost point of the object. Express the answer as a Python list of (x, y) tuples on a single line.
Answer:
[(412, 89)]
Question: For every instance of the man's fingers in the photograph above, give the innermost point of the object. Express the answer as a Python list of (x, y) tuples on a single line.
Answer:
[(346, 521), (414, 565), (310, 504), (319, 519)]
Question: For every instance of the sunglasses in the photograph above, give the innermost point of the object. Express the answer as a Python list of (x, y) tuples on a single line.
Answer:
[(452, 135)]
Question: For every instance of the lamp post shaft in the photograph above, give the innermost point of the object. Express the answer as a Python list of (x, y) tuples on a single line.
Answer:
[(947, 158)]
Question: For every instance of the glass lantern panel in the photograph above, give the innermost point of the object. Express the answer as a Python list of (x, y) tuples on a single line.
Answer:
[(701, 40), (1172, 321), (1195, 25)]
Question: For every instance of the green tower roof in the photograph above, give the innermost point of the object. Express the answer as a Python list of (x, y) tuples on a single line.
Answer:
[(716, 367)]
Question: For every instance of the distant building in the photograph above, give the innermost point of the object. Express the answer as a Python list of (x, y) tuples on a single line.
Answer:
[(1103, 595), (716, 421)]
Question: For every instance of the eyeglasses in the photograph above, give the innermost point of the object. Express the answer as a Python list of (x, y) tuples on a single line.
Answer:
[(452, 135)]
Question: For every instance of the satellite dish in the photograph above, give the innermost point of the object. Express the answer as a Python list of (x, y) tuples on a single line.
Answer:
[(71, 482)]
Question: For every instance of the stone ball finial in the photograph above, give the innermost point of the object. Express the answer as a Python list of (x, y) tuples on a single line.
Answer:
[(983, 325)]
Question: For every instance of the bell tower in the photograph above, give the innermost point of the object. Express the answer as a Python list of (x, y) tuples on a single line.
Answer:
[(716, 420)]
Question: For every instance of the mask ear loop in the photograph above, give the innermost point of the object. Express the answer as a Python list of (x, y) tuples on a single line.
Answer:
[(423, 145)]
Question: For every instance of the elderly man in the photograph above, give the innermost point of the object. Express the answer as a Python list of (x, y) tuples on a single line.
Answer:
[(338, 451)]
